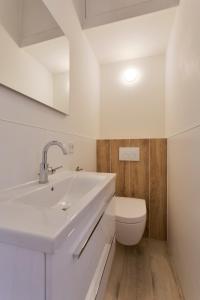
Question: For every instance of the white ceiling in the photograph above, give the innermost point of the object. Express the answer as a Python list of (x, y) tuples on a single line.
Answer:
[(137, 37), (53, 54)]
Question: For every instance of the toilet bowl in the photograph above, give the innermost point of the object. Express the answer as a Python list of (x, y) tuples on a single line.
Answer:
[(130, 220)]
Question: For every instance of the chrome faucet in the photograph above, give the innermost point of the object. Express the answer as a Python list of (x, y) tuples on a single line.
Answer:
[(44, 167)]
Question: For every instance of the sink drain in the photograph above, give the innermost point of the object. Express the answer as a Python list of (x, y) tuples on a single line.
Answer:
[(65, 208)]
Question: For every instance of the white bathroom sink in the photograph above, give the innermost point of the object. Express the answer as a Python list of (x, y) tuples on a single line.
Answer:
[(61, 193), (39, 216)]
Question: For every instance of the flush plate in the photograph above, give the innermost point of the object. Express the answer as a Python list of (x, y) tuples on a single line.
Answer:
[(129, 153)]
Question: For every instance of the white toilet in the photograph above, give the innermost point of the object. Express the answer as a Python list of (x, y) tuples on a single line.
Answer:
[(130, 220)]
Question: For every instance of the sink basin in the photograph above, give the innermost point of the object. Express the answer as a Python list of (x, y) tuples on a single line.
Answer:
[(40, 216), (61, 193)]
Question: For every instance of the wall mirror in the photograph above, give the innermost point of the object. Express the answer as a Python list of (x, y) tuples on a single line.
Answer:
[(34, 53)]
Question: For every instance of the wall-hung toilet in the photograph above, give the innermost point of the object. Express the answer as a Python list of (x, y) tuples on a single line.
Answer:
[(130, 220)]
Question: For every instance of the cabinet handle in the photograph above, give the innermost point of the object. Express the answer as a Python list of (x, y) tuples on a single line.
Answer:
[(77, 254), (99, 284)]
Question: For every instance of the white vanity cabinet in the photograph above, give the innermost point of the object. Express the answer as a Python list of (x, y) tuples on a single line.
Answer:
[(73, 272), (48, 252)]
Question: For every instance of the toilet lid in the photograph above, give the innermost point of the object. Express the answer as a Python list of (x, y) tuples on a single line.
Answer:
[(130, 210)]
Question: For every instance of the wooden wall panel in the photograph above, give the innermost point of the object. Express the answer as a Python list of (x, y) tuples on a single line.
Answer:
[(139, 172), (158, 189), (139, 175), (121, 168), (146, 179), (103, 156)]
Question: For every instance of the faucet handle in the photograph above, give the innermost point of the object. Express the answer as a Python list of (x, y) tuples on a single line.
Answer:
[(53, 170), (78, 169)]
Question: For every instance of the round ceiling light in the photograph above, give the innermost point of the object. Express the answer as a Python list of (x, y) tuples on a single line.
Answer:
[(131, 75)]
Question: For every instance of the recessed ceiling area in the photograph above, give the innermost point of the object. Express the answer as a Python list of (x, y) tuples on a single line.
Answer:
[(141, 36), (94, 13)]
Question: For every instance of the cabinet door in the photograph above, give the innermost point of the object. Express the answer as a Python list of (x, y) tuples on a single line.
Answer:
[(99, 280), (71, 269), (22, 274)]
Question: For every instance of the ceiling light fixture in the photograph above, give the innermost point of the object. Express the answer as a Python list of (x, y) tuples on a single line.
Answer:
[(131, 76)]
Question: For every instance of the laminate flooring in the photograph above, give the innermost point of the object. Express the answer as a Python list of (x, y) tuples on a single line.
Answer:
[(142, 272)]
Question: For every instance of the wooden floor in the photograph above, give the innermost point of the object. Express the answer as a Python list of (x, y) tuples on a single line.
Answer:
[(142, 272)]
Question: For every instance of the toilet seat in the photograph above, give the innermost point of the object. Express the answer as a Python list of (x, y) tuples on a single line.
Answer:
[(130, 210), (130, 220)]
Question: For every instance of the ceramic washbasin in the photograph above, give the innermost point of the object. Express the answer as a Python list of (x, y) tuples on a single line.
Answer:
[(62, 192), (39, 216)]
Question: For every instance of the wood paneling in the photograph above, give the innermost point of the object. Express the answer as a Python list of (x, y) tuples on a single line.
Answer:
[(139, 175), (121, 168), (142, 272), (158, 189), (139, 172), (146, 179), (103, 156)]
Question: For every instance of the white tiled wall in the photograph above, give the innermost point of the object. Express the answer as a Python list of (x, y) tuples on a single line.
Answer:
[(26, 126), (184, 208), (21, 149)]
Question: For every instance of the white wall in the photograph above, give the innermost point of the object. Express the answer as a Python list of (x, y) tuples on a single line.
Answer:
[(10, 16), (80, 9), (133, 111), (183, 129), (61, 84), (25, 125)]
